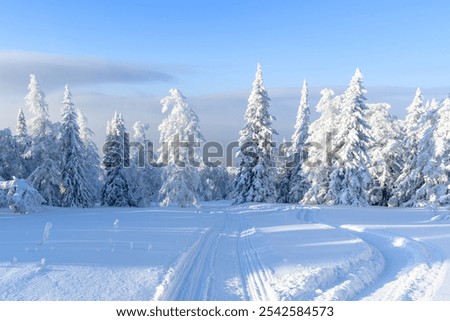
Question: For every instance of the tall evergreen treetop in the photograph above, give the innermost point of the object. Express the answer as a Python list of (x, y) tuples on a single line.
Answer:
[(298, 184), (259, 121), (21, 127), (301, 123), (69, 114), (255, 179), (117, 190), (43, 133), (117, 144), (353, 132), (38, 107), (415, 111), (23, 141), (182, 122)]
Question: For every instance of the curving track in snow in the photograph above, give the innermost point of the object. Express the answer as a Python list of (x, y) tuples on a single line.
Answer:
[(412, 270), (236, 258)]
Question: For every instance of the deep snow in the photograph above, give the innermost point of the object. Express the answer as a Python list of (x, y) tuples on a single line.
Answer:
[(225, 252)]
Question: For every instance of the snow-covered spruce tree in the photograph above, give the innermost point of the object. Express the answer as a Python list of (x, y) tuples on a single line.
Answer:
[(146, 177), (438, 181), (428, 171), (385, 152), (350, 176), (116, 190), (23, 141), (43, 133), (181, 176), (298, 184), (92, 159), (410, 178), (256, 175), (75, 188), (21, 126), (43, 155), (320, 146), (22, 138)]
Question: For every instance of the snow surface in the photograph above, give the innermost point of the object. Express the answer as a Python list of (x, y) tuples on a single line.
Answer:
[(225, 252)]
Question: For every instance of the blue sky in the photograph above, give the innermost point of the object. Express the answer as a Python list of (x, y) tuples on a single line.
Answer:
[(126, 55)]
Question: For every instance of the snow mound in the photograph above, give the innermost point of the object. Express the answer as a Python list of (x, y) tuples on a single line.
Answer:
[(399, 242)]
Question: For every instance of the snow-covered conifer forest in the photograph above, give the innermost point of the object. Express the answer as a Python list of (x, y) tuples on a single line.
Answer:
[(354, 154), (353, 207)]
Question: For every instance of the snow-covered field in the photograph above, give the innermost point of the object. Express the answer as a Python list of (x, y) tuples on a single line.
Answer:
[(225, 252)]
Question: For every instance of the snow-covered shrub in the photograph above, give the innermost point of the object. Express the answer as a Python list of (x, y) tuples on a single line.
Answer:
[(21, 197)]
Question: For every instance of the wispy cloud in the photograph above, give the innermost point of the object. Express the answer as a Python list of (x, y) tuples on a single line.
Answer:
[(55, 70)]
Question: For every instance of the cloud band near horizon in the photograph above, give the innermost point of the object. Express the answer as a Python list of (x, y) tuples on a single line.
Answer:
[(53, 70)]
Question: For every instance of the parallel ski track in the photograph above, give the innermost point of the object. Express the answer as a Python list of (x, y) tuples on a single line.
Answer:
[(190, 279), (256, 277)]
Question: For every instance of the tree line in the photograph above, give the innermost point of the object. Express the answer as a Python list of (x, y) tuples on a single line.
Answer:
[(354, 154)]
